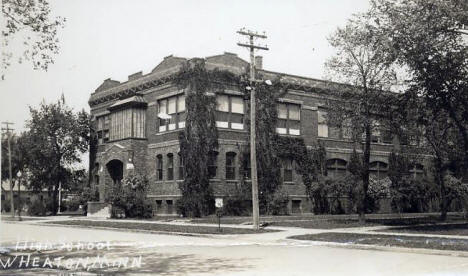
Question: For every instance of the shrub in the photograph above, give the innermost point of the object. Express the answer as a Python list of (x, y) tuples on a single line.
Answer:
[(130, 196), (236, 206), (410, 195), (378, 188), (74, 204), (279, 205), (37, 208), (49, 205), (6, 205)]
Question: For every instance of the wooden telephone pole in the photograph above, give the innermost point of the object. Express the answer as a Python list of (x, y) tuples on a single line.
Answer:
[(8, 131), (253, 152)]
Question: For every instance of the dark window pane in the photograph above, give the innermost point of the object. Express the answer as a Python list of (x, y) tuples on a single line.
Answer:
[(230, 165), (212, 167), (237, 118)]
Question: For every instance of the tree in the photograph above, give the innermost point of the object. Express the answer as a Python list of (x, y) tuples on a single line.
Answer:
[(31, 22), (426, 37), (370, 74), (57, 137)]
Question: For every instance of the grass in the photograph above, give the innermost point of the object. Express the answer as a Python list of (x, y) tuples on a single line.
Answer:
[(335, 221), (389, 240), (9, 218), (158, 227), (460, 229)]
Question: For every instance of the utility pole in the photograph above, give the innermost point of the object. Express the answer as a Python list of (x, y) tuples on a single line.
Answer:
[(8, 131), (253, 152)]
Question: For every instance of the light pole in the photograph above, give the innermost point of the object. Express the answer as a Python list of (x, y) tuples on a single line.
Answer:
[(19, 174)]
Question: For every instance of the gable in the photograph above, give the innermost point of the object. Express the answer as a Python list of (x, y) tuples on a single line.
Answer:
[(108, 83), (169, 62), (227, 61)]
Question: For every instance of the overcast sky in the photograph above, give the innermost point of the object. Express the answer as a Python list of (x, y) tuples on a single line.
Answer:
[(103, 39)]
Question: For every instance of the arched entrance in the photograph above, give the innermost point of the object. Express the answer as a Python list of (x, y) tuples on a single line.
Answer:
[(115, 169)]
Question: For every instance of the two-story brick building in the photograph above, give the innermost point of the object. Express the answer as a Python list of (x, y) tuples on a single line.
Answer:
[(137, 122)]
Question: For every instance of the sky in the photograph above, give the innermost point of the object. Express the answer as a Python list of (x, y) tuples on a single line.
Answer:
[(116, 38)]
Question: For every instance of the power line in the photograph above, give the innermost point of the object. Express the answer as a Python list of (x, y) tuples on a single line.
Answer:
[(253, 152), (8, 131)]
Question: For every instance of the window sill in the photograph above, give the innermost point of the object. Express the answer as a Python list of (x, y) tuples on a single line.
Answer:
[(117, 140), (169, 131), (351, 141), (289, 183)]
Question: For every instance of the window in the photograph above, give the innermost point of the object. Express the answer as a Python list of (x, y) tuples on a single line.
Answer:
[(170, 206), (212, 167), (127, 123), (380, 134), (336, 168), (175, 108), (231, 165), (181, 167), (287, 170), (229, 111), (159, 165), (103, 124), (158, 205), (347, 129), (170, 166), (378, 169), (289, 119), (417, 171), (322, 124), (246, 166)]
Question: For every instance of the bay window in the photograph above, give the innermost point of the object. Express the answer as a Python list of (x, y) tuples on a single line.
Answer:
[(127, 118)]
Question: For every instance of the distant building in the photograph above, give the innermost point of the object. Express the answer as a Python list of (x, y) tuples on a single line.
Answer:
[(27, 195), (131, 136)]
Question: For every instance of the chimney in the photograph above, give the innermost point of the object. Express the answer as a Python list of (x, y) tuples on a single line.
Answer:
[(259, 62), (135, 76)]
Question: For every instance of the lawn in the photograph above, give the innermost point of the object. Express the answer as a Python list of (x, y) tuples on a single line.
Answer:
[(335, 221), (389, 240), (460, 229), (9, 218), (158, 227)]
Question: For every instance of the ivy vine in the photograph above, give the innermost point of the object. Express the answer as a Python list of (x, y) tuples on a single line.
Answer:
[(200, 136)]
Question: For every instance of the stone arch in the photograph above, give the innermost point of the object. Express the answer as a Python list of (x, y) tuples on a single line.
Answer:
[(115, 170)]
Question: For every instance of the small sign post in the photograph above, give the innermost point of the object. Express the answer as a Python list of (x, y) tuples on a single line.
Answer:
[(219, 212)]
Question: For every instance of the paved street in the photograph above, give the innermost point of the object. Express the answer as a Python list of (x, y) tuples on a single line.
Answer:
[(262, 254)]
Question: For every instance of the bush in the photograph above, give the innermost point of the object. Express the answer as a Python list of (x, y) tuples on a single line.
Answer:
[(6, 205), (37, 208), (74, 204), (236, 206), (411, 195), (279, 205), (49, 205), (378, 189), (130, 196)]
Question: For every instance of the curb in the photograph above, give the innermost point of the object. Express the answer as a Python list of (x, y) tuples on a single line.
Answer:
[(396, 249)]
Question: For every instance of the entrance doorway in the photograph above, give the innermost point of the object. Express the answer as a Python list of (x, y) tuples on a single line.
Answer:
[(115, 169)]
